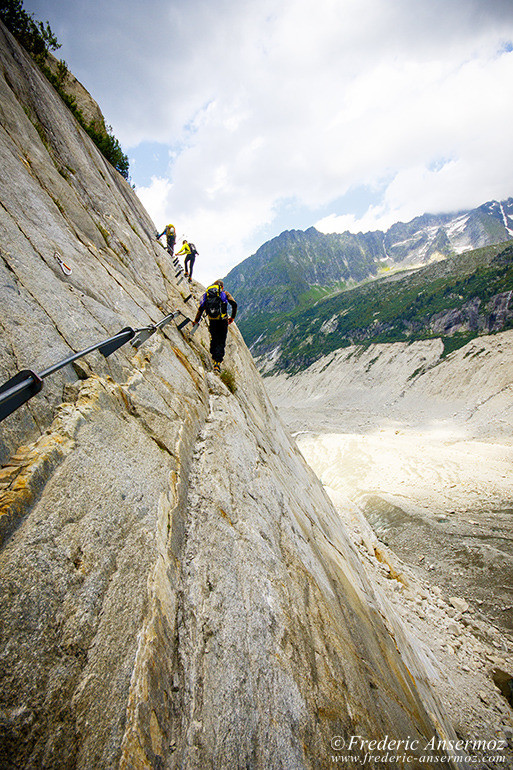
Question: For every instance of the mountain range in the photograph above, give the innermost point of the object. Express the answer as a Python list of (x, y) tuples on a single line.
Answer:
[(438, 275)]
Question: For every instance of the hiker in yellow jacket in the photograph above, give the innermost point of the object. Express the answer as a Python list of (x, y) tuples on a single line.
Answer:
[(170, 233), (189, 250)]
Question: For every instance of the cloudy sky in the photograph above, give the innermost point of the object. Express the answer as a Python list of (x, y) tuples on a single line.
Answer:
[(244, 118)]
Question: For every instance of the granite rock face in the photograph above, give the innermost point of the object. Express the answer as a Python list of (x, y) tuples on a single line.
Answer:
[(177, 589)]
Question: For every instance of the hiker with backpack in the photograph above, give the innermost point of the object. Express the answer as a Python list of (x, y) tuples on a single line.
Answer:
[(189, 250), (170, 233), (214, 304)]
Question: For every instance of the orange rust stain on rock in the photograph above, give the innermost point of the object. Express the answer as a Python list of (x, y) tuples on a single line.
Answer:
[(22, 478), (225, 516), (381, 557)]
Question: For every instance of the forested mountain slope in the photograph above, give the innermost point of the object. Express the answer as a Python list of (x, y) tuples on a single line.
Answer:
[(454, 300)]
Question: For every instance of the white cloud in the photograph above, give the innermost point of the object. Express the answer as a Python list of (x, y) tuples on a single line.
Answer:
[(305, 100), (448, 145)]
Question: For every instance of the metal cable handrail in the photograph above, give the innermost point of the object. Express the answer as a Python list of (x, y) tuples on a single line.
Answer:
[(26, 384)]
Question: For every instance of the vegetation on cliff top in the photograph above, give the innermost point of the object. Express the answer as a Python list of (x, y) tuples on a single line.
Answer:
[(35, 37), (38, 40)]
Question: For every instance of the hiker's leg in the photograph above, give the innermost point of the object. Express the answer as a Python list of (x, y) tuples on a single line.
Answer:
[(218, 332)]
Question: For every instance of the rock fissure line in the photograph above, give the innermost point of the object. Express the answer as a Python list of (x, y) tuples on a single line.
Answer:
[(159, 639)]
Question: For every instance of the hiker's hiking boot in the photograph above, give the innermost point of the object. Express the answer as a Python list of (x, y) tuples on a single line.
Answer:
[(217, 368)]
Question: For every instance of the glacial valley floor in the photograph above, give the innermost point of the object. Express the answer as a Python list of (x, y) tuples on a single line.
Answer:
[(428, 504)]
